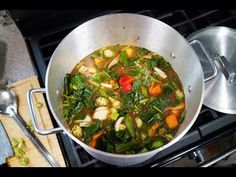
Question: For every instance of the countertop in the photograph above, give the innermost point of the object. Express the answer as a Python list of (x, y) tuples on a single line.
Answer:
[(15, 61)]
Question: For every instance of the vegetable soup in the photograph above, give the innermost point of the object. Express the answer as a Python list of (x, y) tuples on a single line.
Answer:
[(123, 99)]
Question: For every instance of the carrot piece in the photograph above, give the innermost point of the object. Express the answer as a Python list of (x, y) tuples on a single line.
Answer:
[(94, 139), (154, 89), (172, 121)]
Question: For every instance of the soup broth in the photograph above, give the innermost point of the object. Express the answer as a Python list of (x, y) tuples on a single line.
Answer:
[(123, 99)]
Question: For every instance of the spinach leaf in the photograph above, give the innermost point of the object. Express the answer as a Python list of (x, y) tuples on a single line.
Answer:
[(66, 113), (162, 63), (123, 57), (115, 48), (145, 81), (146, 116), (102, 76), (161, 103), (88, 131), (142, 51), (151, 63), (75, 114), (136, 86), (78, 82), (168, 89), (87, 93)]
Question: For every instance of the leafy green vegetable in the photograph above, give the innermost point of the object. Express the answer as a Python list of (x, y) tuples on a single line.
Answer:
[(130, 126), (151, 63), (142, 51), (78, 81), (102, 76), (146, 116), (145, 81), (87, 92), (123, 57), (162, 63), (136, 86), (161, 103), (76, 111), (115, 48), (88, 131), (168, 89), (125, 146), (157, 143)]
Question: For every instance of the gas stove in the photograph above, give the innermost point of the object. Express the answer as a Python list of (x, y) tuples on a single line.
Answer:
[(210, 139)]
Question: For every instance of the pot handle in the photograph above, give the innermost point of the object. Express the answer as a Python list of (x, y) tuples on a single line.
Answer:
[(33, 115), (196, 45)]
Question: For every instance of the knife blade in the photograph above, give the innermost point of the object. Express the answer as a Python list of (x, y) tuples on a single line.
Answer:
[(5, 144)]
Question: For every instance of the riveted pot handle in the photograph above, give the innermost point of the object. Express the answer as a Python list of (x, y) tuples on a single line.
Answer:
[(197, 45), (33, 115)]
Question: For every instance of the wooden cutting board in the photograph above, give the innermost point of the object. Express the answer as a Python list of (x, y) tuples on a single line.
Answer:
[(21, 88)]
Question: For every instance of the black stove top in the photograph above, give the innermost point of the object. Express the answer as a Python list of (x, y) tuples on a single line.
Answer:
[(209, 126)]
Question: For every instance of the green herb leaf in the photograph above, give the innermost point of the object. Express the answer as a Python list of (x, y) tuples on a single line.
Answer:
[(142, 51), (88, 131), (146, 116), (78, 82), (123, 57)]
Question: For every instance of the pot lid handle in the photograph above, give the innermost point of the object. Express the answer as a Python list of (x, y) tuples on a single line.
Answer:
[(225, 68)]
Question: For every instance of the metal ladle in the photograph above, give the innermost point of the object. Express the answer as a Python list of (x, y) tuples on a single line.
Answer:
[(8, 106)]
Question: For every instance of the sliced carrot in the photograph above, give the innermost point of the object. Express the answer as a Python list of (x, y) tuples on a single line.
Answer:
[(172, 121), (94, 139), (155, 89)]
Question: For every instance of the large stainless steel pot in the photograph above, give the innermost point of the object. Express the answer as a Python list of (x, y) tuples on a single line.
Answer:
[(130, 29)]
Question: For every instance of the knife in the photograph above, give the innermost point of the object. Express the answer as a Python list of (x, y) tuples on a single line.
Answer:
[(5, 146)]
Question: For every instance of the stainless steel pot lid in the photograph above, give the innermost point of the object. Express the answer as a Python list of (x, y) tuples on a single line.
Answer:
[(220, 43)]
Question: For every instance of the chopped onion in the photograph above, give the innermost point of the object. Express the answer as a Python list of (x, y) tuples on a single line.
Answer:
[(101, 113), (117, 124), (160, 72), (83, 69), (108, 53), (113, 62), (106, 85)]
